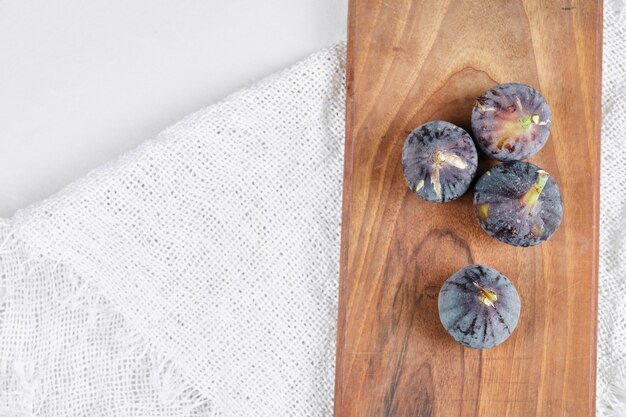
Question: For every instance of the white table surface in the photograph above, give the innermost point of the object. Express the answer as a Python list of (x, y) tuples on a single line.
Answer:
[(83, 81)]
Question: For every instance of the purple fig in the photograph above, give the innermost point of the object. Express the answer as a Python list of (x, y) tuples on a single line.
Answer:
[(439, 161), (518, 203), (479, 307), (511, 122)]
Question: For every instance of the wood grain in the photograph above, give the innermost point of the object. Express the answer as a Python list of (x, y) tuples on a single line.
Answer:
[(411, 61)]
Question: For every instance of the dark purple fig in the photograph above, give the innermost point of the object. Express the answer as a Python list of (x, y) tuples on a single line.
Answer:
[(439, 161), (479, 307), (511, 122), (518, 203)]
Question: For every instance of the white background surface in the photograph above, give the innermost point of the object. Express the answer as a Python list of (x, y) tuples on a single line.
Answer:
[(81, 82)]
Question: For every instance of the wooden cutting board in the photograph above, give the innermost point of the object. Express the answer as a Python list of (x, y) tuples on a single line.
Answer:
[(412, 61)]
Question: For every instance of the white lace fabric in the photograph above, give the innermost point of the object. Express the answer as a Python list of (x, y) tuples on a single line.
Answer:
[(197, 275), (611, 386)]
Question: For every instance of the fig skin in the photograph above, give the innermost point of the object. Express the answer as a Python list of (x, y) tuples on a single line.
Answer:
[(479, 307), (511, 122), (518, 203), (439, 161)]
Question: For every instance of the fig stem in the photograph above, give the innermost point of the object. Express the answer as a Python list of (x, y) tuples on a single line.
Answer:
[(483, 211), (529, 120), (486, 296), (532, 196), (439, 158)]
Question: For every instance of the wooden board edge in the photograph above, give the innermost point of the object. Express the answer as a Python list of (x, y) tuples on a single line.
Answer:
[(345, 212), (596, 202)]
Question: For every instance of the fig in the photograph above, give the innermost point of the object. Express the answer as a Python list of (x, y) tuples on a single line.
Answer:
[(511, 122), (479, 307), (439, 161), (518, 203)]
